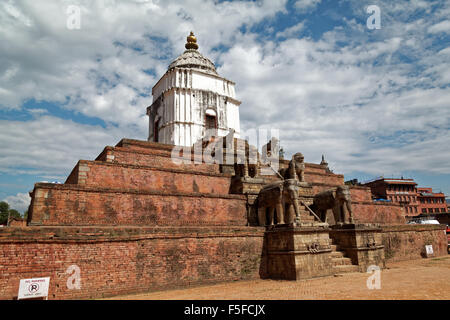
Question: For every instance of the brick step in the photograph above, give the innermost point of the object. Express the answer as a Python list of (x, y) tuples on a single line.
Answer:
[(335, 247), (152, 157), (341, 261), (132, 177), (306, 218), (64, 204), (337, 254), (345, 268)]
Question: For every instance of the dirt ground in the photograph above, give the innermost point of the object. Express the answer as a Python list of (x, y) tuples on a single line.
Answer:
[(417, 279)]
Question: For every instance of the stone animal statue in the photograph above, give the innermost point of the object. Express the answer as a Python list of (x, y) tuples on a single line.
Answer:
[(296, 168), (338, 200), (276, 196)]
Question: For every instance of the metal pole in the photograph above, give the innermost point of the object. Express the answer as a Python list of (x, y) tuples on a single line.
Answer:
[(9, 215)]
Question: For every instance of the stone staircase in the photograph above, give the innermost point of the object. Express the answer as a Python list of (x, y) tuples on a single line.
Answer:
[(341, 263), (305, 215)]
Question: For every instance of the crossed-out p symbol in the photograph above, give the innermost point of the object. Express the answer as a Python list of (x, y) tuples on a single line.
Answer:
[(34, 287)]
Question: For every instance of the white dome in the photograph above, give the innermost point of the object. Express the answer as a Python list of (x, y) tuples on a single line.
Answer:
[(191, 58)]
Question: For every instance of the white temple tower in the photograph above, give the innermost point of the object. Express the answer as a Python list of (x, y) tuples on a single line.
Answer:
[(190, 99)]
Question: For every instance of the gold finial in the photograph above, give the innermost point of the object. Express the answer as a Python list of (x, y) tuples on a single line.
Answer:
[(191, 42)]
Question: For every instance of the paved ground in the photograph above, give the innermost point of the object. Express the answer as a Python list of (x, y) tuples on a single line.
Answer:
[(417, 280)]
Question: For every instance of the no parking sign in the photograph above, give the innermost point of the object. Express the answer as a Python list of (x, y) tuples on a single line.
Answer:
[(33, 288)]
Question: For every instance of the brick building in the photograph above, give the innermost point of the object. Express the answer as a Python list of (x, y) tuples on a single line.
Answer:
[(430, 202), (401, 191)]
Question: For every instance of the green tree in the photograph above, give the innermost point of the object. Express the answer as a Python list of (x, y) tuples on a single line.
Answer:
[(4, 211), (13, 213)]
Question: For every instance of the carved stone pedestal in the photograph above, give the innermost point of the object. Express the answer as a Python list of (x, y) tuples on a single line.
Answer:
[(362, 243), (295, 253)]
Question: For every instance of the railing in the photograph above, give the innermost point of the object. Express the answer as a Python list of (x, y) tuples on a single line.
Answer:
[(309, 209)]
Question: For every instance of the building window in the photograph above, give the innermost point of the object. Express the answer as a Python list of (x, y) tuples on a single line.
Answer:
[(424, 210), (210, 122), (442, 210)]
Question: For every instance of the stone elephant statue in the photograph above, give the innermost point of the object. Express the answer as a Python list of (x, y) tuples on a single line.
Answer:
[(276, 196), (338, 200)]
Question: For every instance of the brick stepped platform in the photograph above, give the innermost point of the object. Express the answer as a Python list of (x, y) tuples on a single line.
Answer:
[(138, 183), (145, 183)]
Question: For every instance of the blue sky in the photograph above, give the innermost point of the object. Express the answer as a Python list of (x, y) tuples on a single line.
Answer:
[(375, 102)]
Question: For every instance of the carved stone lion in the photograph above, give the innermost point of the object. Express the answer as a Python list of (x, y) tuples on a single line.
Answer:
[(296, 168)]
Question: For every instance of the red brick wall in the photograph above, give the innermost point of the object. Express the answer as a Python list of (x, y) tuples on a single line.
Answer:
[(329, 179), (152, 158), (360, 194), (367, 211), (386, 214), (17, 223), (318, 177), (78, 205), (115, 261), (406, 242), (101, 174)]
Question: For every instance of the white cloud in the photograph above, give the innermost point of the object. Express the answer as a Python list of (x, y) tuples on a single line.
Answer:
[(102, 68), (48, 145), (357, 102), (306, 5), (443, 26), (377, 118), (293, 31), (19, 202)]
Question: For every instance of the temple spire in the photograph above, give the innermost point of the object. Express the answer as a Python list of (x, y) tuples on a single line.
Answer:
[(191, 42)]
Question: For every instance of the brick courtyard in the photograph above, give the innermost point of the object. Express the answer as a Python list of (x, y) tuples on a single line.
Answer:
[(414, 279)]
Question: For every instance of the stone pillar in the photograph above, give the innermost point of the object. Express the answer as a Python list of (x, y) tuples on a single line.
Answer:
[(361, 242), (295, 253)]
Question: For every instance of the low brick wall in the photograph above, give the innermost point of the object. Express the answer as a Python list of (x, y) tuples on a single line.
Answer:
[(328, 179), (360, 194), (407, 242), (145, 178), (115, 261), (124, 260), (152, 157), (382, 213), (367, 211), (68, 205)]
